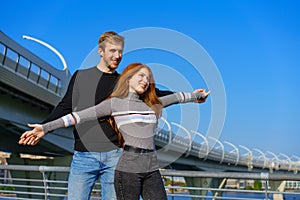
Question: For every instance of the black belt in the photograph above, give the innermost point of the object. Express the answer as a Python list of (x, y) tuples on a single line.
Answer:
[(137, 149)]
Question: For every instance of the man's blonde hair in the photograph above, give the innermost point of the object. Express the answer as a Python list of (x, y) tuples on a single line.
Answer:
[(111, 37)]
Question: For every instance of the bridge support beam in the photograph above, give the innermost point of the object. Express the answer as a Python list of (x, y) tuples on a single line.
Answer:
[(202, 183)]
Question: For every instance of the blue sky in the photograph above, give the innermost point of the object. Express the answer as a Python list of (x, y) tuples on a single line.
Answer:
[(254, 44)]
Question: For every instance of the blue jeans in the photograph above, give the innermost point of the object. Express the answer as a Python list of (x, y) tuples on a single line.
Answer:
[(85, 170)]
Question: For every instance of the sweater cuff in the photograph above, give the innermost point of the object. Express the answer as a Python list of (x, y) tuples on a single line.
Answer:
[(189, 97)]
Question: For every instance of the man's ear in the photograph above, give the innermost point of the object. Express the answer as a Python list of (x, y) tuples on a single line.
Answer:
[(100, 51)]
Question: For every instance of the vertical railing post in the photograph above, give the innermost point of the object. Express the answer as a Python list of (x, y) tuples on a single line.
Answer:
[(57, 86), (29, 69), (48, 80), (39, 74), (4, 54), (17, 62), (45, 178), (265, 177), (266, 190), (172, 187)]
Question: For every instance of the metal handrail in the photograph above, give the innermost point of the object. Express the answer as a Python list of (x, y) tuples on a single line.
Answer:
[(31, 188), (221, 156), (43, 74)]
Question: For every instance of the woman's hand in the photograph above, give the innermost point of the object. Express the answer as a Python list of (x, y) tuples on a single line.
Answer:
[(205, 95), (33, 136)]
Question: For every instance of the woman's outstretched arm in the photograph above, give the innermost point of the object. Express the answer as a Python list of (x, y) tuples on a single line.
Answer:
[(198, 96), (32, 137)]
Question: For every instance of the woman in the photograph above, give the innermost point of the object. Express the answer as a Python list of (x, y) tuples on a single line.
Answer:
[(135, 109)]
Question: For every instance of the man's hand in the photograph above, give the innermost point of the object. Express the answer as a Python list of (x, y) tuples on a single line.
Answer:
[(33, 136), (205, 94)]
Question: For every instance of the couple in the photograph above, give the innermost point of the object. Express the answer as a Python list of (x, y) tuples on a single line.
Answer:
[(134, 106)]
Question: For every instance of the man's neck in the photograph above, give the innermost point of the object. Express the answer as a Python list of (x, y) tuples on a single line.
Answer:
[(105, 69)]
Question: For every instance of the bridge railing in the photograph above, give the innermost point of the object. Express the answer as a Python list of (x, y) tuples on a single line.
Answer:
[(50, 182), (220, 155), (26, 65)]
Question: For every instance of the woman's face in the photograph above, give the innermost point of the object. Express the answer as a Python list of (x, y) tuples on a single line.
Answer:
[(139, 82)]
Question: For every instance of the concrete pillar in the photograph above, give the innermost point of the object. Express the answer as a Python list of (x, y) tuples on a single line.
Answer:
[(277, 186), (202, 183)]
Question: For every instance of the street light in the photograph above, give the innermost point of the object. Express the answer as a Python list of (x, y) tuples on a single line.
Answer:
[(250, 157), (221, 145), (288, 159), (274, 165), (206, 144), (263, 155), (188, 135), (236, 151), (51, 48)]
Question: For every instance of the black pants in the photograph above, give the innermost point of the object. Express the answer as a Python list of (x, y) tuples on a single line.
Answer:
[(129, 186)]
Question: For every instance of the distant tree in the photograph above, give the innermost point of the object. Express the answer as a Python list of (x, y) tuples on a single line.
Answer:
[(257, 185)]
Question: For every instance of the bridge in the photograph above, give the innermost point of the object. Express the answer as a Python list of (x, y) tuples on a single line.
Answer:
[(30, 88)]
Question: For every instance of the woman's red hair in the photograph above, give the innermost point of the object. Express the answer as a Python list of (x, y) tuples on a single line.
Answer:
[(149, 96)]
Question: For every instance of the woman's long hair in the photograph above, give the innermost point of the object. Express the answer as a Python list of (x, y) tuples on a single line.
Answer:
[(149, 97), (113, 124)]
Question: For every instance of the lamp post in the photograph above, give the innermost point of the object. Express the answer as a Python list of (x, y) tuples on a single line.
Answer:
[(273, 164), (236, 151), (188, 135), (263, 155), (51, 48), (206, 144), (250, 157), (221, 145)]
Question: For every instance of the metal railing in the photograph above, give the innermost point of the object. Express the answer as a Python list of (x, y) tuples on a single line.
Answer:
[(218, 153), (50, 182), (19, 61)]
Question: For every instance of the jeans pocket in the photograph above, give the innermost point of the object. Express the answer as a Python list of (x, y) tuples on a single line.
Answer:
[(84, 161)]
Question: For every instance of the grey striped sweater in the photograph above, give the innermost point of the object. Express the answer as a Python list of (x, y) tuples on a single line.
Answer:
[(135, 120)]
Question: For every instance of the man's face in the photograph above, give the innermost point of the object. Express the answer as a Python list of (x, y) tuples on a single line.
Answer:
[(112, 54)]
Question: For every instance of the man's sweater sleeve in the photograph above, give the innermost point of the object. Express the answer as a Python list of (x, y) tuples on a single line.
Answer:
[(65, 105), (161, 93)]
